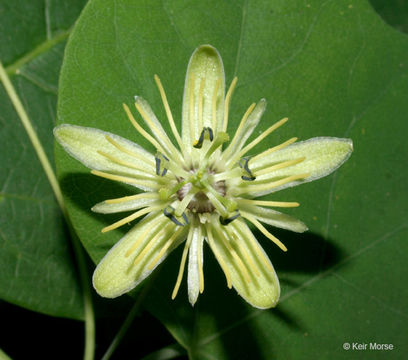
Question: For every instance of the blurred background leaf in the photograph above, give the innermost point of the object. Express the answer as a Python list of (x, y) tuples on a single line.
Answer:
[(335, 69), (36, 267)]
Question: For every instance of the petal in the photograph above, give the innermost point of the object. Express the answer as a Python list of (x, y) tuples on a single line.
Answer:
[(128, 203), (91, 147), (245, 263), (136, 255), (195, 265), (322, 156), (203, 93), (274, 218)]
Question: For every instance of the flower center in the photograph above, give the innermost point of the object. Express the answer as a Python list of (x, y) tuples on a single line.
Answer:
[(200, 203)]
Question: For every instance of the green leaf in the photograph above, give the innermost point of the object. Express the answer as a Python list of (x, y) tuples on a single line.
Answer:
[(36, 267), (335, 69)]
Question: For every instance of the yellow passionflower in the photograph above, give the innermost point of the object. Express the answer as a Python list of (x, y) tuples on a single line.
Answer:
[(203, 189)]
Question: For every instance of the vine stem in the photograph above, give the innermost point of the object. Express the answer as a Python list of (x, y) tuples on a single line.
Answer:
[(78, 251)]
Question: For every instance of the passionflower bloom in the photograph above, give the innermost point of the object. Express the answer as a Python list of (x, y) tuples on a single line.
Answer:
[(202, 189)]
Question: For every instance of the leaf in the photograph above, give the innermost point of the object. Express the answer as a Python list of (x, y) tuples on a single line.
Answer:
[(335, 69), (36, 267)]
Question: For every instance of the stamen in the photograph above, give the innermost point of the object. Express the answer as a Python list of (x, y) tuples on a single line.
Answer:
[(169, 212), (150, 231), (226, 221), (165, 193), (227, 102), (271, 185), (214, 104), (243, 163), (273, 149), (184, 203), (182, 263), (126, 179), (168, 112), (165, 247), (130, 218), (191, 108), (199, 143), (231, 174), (242, 230), (151, 195), (234, 254), (279, 166), (142, 131), (220, 139), (161, 161), (263, 230), (260, 138), (200, 103), (218, 256), (126, 151), (268, 203)]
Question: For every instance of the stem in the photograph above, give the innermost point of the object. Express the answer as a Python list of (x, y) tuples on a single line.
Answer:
[(49, 172), (129, 318), (4, 356)]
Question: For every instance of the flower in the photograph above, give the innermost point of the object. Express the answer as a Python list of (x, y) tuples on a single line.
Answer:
[(204, 189)]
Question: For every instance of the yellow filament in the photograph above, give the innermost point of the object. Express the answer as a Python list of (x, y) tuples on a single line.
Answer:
[(168, 112), (200, 104), (142, 131), (273, 149), (247, 257), (240, 127), (234, 254), (227, 102), (130, 218), (268, 203), (214, 105), (261, 137), (149, 245), (182, 263), (142, 237), (157, 131), (218, 256), (199, 262), (124, 179), (271, 185), (119, 161), (132, 197), (263, 230), (279, 166), (164, 248), (191, 109), (246, 232), (126, 151)]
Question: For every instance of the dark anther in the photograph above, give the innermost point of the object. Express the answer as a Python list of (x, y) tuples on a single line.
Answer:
[(199, 143), (243, 163), (169, 212), (226, 221), (159, 166)]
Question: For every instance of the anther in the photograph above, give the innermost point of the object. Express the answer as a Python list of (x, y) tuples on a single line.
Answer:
[(199, 143), (243, 163), (226, 221), (161, 170), (169, 212)]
